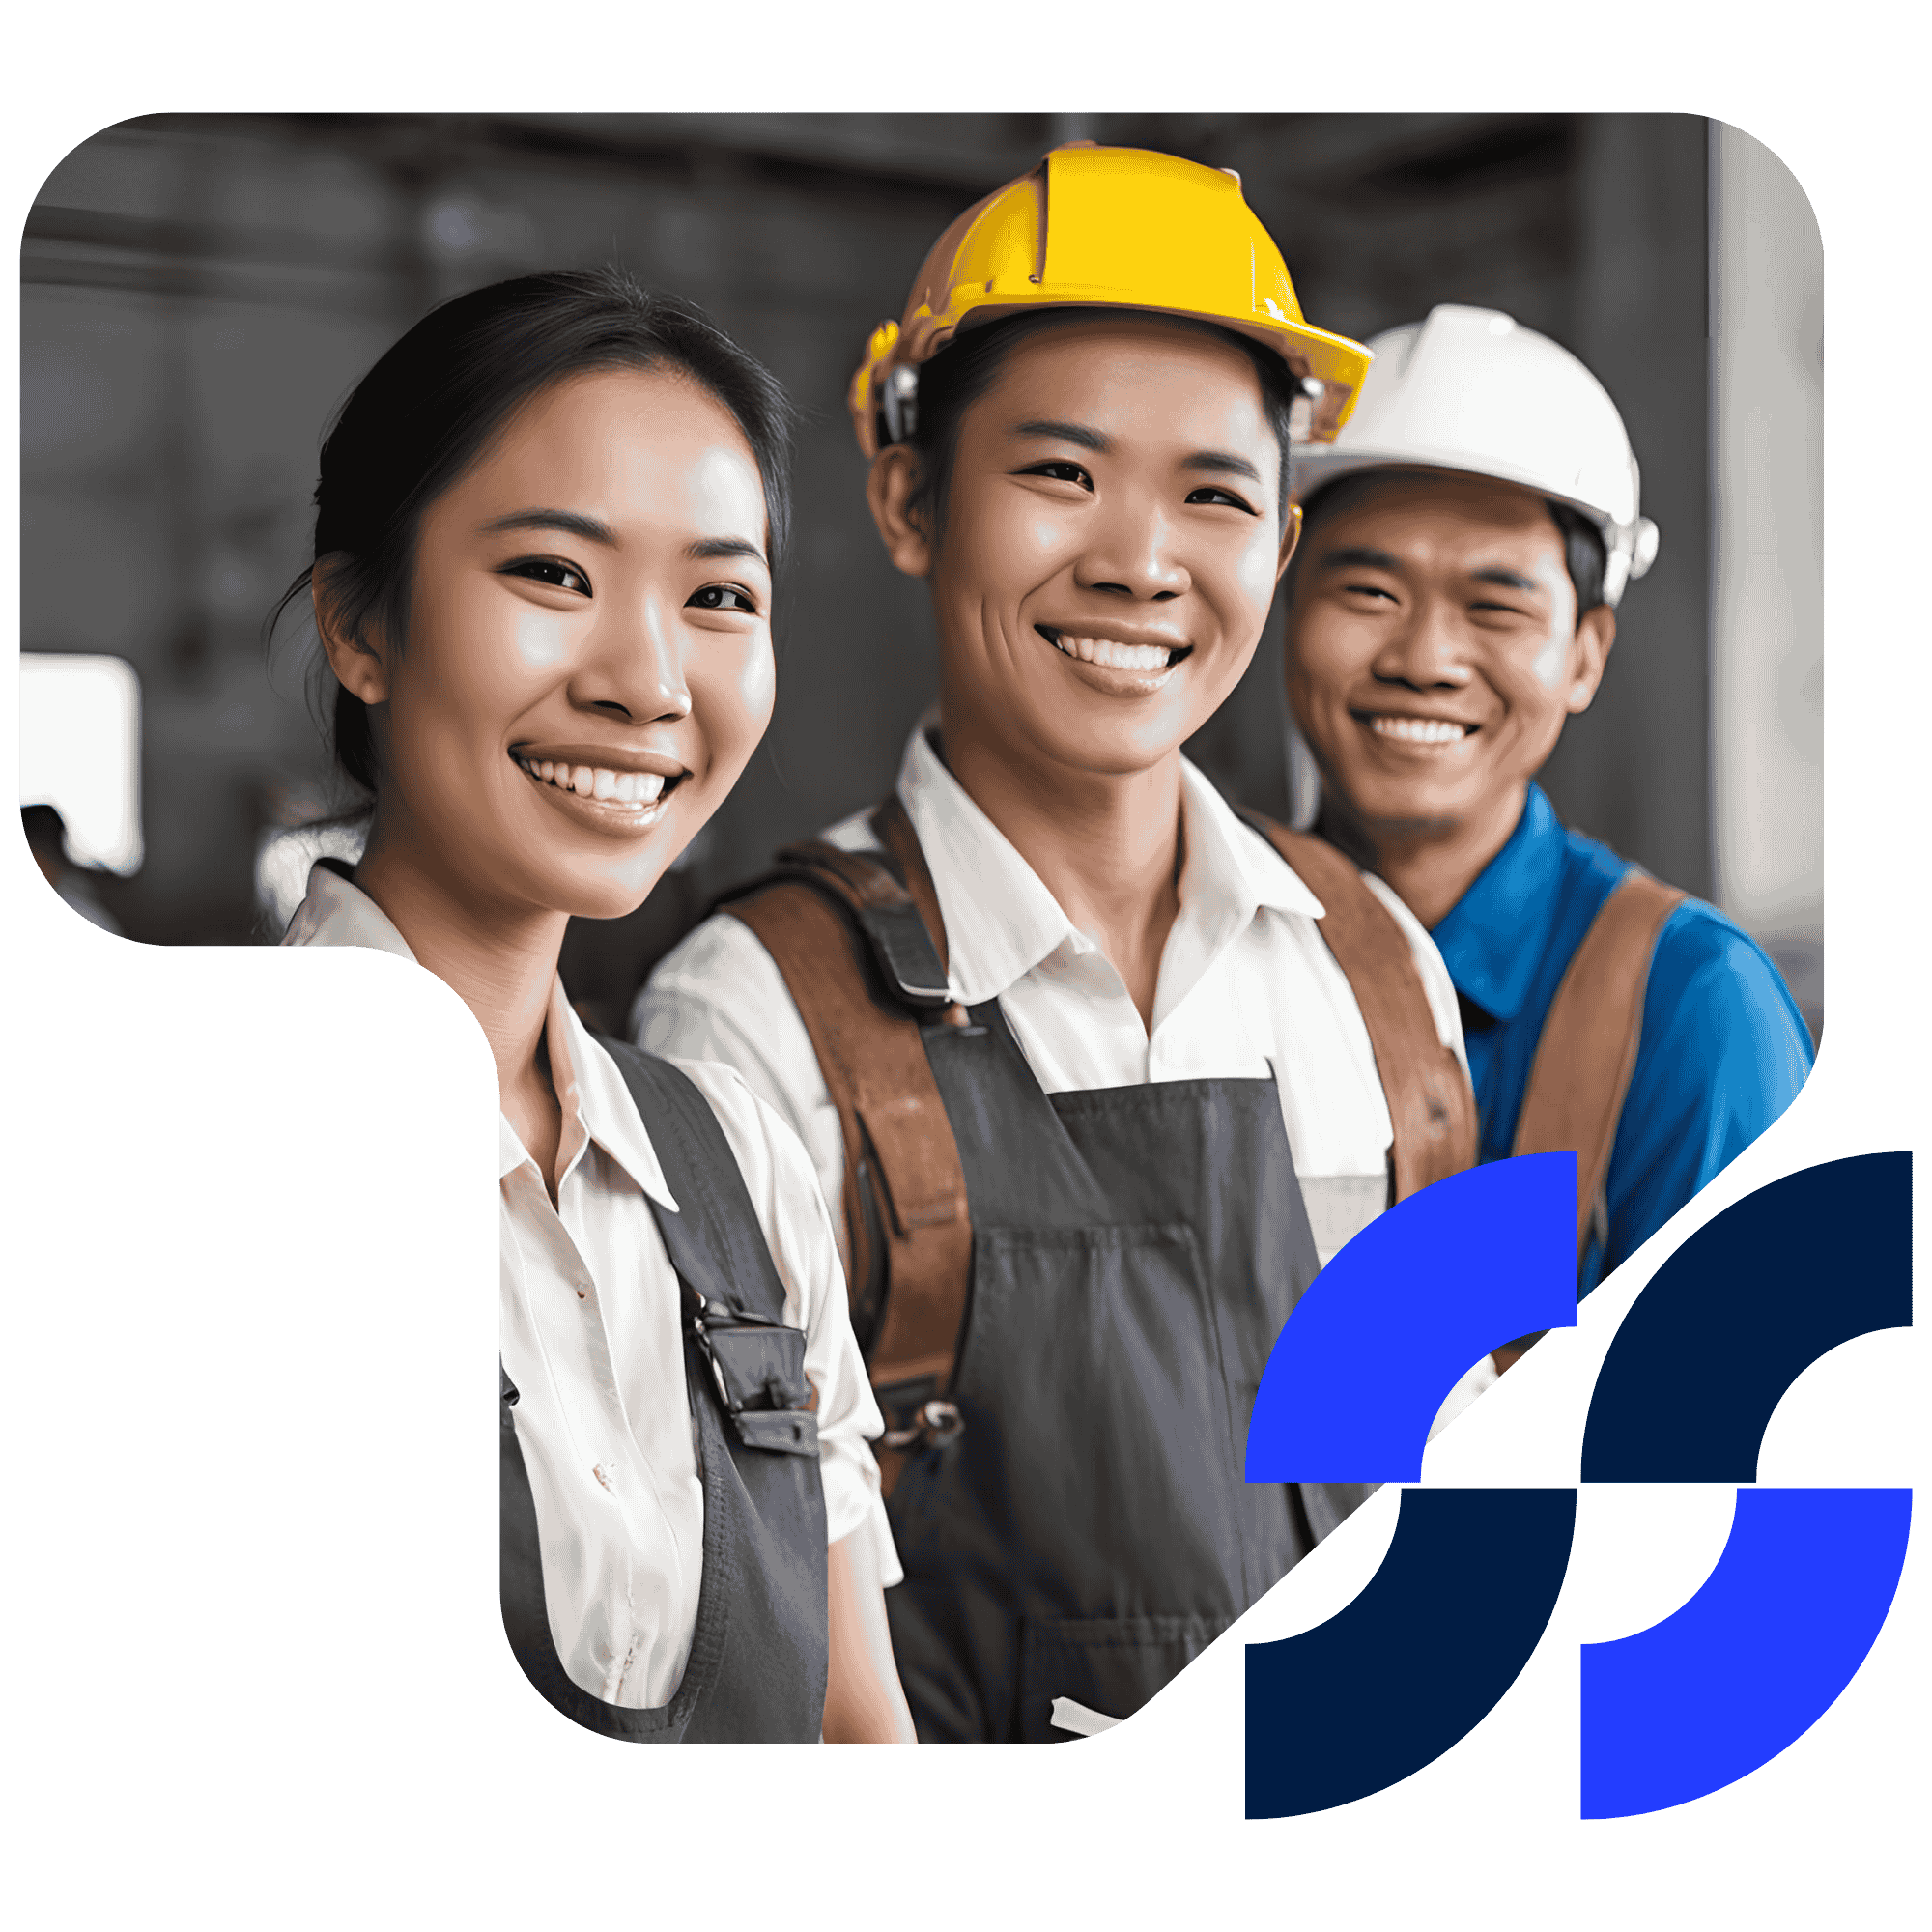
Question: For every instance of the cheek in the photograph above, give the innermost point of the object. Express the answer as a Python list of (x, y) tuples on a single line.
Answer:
[(998, 548), (484, 660), (732, 694), (538, 641), (1323, 659)]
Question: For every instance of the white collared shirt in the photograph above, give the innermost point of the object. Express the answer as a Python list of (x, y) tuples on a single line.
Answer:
[(1247, 988), (590, 1338)]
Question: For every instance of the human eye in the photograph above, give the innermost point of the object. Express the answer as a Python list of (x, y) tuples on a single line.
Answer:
[(1495, 611), (1061, 470), (722, 597), (1215, 493), (1373, 593), (551, 570)]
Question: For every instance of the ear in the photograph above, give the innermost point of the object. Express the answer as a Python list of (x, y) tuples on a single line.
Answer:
[(889, 488), (360, 665), (1590, 652), (1291, 537)]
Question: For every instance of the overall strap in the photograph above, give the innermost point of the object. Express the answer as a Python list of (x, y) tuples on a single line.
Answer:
[(1431, 1105), (1587, 1051), (734, 1301), (850, 935), (715, 1241)]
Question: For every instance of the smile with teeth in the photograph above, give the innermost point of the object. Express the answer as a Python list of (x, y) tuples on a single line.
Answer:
[(1418, 731), (1111, 655), (639, 790)]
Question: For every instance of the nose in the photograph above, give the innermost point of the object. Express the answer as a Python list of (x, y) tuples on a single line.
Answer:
[(634, 666), (1426, 652), (1132, 551)]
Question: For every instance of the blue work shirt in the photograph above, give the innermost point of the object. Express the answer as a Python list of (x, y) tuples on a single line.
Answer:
[(1722, 1050)]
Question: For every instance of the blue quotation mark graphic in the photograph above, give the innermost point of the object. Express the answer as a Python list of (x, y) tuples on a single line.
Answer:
[(1723, 1329)]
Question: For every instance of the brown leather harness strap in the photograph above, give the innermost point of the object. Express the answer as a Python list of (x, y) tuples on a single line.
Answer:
[(907, 1232), (1587, 1050), (860, 943), (1431, 1105)]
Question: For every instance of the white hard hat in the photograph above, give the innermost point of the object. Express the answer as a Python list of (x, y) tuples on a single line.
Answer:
[(1472, 389)]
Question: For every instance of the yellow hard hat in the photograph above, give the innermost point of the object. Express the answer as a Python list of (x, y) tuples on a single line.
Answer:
[(1111, 228)]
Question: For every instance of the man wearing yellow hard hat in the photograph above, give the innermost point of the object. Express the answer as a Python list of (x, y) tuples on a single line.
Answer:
[(1097, 1073), (1468, 538)]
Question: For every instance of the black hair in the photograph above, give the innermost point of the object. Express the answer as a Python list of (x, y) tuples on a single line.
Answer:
[(1584, 554), (965, 369), (423, 415)]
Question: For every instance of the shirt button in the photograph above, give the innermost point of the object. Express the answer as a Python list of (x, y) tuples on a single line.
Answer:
[(597, 1469), (582, 1294)]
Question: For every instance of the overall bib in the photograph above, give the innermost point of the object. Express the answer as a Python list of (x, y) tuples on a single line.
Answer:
[(758, 1662), (1066, 1300), (1087, 1531)]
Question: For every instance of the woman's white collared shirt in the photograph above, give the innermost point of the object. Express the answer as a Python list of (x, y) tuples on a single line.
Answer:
[(590, 1337)]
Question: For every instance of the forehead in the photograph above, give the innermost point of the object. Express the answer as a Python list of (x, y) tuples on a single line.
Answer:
[(1442, 519), (1129, 373), (621, 443)]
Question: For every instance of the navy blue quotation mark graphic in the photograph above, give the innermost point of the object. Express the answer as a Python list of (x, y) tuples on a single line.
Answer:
[(1723, 1329)]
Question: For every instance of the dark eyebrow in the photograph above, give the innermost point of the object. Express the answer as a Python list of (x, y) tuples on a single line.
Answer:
[(1509, 579), (1220, 462), (709, 547), (1076, 434), (586, 527), (1356, 557)]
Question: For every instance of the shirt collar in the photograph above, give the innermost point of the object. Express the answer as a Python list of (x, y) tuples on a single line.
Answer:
[(591, 1091), (336, 912), (597, 1106), (1002, 922), (1492, 938)]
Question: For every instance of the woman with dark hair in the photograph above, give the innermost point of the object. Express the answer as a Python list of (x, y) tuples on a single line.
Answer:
[(546, 528)]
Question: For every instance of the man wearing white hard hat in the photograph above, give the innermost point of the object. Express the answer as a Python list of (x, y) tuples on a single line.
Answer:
[(1467, 540)]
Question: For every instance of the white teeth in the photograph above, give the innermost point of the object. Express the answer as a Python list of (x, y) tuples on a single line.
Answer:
[(642, 788), (1104, 651), (1418, 731)]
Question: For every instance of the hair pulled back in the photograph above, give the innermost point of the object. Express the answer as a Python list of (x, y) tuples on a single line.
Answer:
[(424, 413)]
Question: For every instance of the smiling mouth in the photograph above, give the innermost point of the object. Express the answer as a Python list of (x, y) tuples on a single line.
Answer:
[(641, 794), (1415, 730), (1112, 655)]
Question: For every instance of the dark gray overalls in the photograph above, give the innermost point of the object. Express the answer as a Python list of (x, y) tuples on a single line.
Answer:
[(1066, 1301), (757, 1668)]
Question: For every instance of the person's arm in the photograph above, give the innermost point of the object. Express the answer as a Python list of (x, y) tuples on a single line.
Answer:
[(863, 1703)]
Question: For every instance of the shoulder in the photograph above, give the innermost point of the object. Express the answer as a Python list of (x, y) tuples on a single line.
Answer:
[(709, 960), (1718, 1015), (761, 1142), (1705, 957), (777, 1171)]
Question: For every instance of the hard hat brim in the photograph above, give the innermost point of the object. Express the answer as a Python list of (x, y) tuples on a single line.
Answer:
[(1333, 361), (1316, 469)]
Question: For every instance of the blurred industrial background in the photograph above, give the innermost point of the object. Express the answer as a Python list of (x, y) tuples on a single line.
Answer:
[(201, 292)]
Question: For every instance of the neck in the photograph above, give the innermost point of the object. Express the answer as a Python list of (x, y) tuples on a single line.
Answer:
[(499, 961), (1430, 863), (1105, 845)]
